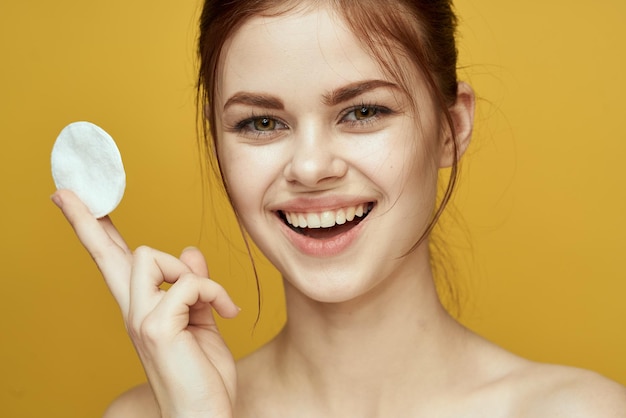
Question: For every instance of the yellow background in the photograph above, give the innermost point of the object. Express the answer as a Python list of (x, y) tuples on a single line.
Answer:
[(537, 234)]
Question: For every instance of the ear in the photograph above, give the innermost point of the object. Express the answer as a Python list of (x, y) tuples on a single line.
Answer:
[(462, 112)]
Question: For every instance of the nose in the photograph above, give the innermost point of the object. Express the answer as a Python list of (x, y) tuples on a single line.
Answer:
[(315, 158)]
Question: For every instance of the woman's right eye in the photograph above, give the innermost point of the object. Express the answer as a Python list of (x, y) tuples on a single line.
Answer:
[(260, 126), (264, 124)]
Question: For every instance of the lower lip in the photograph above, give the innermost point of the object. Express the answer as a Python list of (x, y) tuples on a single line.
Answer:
[(322, 247)]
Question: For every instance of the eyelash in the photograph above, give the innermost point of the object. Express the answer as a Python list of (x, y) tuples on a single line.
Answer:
[(245, 127), (379, 112)]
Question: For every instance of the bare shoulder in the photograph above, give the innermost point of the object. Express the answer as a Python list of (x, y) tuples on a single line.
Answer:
[(512, 386), (560, 391), (137, 402)]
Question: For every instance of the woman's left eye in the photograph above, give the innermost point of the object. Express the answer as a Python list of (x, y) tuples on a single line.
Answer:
[(364, 113)]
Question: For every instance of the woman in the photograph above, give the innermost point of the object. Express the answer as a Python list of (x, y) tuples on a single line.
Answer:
[(330, 121)]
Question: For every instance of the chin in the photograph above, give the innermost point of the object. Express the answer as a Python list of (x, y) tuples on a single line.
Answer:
[(328, 285)]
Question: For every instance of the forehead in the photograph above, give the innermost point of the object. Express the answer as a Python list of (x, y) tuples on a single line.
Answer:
[(299, 52)]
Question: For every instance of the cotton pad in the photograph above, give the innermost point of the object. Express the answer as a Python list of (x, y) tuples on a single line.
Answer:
[(86, 161)]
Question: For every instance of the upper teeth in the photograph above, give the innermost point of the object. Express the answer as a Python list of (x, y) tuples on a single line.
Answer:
[(327, 218)]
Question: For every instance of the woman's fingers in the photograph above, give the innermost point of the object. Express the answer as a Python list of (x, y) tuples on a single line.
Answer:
[(193, 258), (152, 267), (189, 300), (102, 241), (113, 233)]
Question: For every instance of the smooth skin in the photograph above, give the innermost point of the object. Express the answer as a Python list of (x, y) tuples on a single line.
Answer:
[(366, 334)]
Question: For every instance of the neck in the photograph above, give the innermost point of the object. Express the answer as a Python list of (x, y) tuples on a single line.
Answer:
[(396, 332)]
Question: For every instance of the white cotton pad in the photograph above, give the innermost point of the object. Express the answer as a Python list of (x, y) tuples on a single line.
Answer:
[(86, 161)]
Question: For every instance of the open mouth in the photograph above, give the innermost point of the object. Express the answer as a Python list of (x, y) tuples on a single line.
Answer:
[(326, 224)]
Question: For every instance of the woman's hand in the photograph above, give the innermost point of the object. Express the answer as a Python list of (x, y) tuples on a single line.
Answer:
[(190, 369)]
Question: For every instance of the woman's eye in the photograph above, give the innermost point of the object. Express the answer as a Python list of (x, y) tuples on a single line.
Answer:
[(259, 125), (359, 115), (264, 124), (365, 112)]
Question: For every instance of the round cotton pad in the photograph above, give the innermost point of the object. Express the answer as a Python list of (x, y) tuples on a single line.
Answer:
[(86, 161)]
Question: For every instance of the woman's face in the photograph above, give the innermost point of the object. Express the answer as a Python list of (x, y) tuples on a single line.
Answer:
[(329, 168)]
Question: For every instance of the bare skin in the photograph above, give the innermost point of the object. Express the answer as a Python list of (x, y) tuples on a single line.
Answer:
[(366, 334), (509, 387), (497, 384)]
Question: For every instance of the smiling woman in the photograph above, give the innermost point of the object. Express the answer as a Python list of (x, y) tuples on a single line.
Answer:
[(320, 158), (330, 122)]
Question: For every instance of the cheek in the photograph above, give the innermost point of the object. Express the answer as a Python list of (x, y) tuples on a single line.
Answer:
[(411, 177), (248, 173), (401, 160), (240, 189)]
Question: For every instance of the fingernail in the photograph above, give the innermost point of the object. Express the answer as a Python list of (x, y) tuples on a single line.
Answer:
[(56, 199)]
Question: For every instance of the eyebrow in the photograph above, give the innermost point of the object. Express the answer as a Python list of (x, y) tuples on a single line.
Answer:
[(335, 97), (253, 99), (352, 90)]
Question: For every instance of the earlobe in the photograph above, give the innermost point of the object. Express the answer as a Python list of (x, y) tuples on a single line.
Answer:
[(462, 113)]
